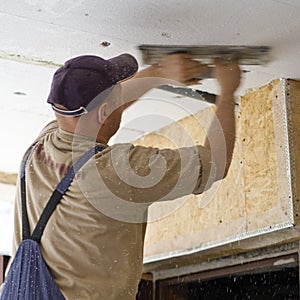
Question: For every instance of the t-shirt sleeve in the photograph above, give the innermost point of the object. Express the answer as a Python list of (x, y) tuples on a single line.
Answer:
[(52, 126), (146, 174), (207, 175)]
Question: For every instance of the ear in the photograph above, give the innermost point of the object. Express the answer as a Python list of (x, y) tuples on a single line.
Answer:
[(102, 113)]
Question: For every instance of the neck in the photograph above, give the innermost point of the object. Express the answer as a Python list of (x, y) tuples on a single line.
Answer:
[(83, 127)]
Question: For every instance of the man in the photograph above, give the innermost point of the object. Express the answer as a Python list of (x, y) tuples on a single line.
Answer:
[(93, 242)]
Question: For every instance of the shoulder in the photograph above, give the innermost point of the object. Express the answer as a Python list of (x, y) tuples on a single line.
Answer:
[(50, 127)]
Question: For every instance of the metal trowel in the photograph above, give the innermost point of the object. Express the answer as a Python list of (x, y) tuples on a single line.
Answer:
[(246, 55)]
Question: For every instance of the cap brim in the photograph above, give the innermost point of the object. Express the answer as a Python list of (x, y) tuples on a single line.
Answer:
[(124, 66)]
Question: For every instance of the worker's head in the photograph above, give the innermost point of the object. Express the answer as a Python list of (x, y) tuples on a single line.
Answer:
[(88, 87)]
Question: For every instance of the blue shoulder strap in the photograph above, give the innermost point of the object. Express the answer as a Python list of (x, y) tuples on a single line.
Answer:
[(55, 198)]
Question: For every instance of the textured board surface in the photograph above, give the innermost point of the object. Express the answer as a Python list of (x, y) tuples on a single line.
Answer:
[(257, 197), (293, 90)]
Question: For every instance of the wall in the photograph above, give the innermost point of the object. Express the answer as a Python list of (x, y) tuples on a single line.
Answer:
[(259, 195)]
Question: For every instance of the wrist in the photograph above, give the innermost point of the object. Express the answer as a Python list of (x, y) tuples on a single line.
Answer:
[(227, 98), (152, 71), (227, 95)]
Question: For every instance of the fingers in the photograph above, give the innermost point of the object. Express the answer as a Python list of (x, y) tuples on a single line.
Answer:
[(193, 71), (228, 75), (181, 67), (227, 65)]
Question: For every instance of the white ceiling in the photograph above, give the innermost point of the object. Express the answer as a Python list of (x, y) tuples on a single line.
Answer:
[(38, 35)]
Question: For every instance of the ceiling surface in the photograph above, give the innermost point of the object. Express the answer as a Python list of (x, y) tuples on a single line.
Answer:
[(36, 36)]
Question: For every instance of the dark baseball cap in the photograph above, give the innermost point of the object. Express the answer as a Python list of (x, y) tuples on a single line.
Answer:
[(83, 82)]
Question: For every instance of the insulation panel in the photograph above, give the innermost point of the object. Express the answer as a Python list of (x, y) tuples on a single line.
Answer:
[(259, 195)]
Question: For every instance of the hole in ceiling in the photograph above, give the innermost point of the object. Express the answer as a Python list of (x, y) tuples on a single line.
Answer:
[(20, 93), (166, 34), (105, 44)]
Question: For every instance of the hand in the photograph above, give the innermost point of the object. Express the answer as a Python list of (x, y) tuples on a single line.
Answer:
[(180, 67), (228, 76)]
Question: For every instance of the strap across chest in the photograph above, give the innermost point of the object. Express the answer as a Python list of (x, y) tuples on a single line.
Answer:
[(55, 198)]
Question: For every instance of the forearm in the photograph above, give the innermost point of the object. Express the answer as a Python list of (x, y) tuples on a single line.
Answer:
[(221, 135), (176, 69), (141, 83)]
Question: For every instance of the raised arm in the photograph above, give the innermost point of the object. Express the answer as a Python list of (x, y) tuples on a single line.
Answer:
[(181, 69), (177, 69), (221, 134)]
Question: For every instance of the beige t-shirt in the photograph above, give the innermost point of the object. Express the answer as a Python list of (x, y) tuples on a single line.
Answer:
[(93, 242)]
